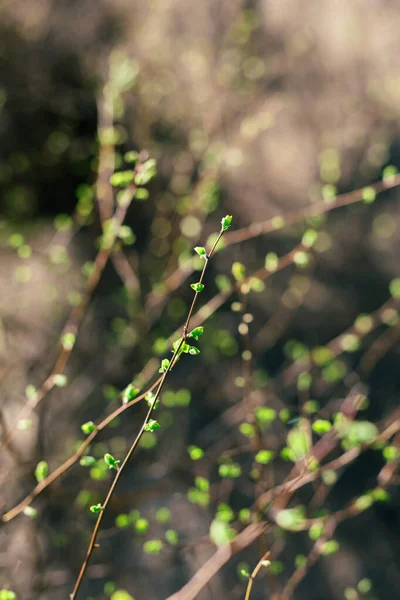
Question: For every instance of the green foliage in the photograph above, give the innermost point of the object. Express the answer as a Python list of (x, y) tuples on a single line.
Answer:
[(172, 537), (321, 426), (7, 595), (197, 287), (41, 470), (299, 440), (330, 547), (129, 393), (226, 222), (88, 427), (153, 546), (264, 456), (195, 452), (30, 512), (292, 519), (111, 462), (141, 526), (122, 178), (152, 426), (87, 461), (201, 252), (221, 533), (164, 365), (121, 595), (196, 332), (60, 380), (229, 470)]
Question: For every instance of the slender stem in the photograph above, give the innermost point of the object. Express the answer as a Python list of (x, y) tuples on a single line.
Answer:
[(176, 354), (254, 574)]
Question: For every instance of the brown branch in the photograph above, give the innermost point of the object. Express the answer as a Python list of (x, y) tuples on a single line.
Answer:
[(269, 225)]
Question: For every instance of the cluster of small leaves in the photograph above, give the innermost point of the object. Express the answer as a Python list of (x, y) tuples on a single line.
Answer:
[(7, 595)]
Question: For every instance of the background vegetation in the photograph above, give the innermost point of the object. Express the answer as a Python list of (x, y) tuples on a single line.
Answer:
[(282, 434)]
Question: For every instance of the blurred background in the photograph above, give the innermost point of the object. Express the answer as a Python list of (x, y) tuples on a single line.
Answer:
[(251, 108)]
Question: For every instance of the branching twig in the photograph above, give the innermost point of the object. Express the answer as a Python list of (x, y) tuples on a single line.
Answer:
[(152, 404), (254, 574)]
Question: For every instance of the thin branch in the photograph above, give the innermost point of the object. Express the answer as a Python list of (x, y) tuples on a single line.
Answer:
[(152, 405), (254, 574), (324, 206)]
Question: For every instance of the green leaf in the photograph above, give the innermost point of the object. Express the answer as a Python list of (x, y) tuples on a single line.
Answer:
[(220, 532), (390, 453), (7, 595), (30, 512), (271, 261), (153, 546), (291, 519), (309, 238), (60, 380), (122, 178), (196, 332), (394, 287), (68, 341), (110, 461), (88, 427), (315, 532), (129, 393), (321, 426), (201, 251), (122, 521), (150, 398), (146, 172), (225, 513), (264, 456), (121, 595), (126, 234), (172, 537), (141, 525), (194, 351), (164, 365), (41, 470), (202, 483), (330, 547), (230, 470), (361, 432), (226, 222), (96, 509), (163, 515), (238, 271), (152, 425), (368, 195), (197, 287), (299, 439), (87, 461), (195, 452), (264, 414), (141, 194), (131, 157)]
